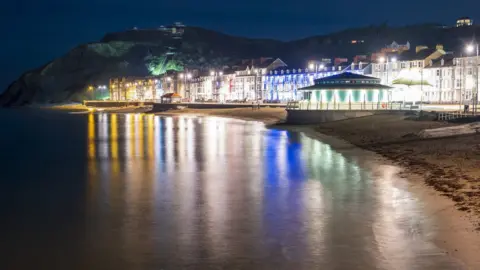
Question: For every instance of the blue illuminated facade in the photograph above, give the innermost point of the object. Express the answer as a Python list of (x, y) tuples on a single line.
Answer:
[(282, 84)]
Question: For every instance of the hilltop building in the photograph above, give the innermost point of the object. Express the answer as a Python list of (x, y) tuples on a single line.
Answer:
[(464, 21)]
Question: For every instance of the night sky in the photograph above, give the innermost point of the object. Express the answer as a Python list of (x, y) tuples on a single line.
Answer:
[(34, 32)]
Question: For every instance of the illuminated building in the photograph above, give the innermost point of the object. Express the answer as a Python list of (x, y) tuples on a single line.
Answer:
[(387, 70), (282, 84), (212, 85), (249, 77), (428, 75), (452, 79), (138, 88), (346, 88), (464, 21)]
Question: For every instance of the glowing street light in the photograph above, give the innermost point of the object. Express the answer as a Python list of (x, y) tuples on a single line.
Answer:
[(311, 66), (381, 60), (472, 48), (180, 75), (212, 73), (169, 79), (394, 60), (189, 75), (322, 66), (220, 73)]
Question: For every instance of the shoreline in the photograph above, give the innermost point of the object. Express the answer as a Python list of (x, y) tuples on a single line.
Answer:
[(456, 233)]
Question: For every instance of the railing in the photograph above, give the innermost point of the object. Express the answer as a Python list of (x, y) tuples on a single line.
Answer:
[(309, 105), (446, 116)]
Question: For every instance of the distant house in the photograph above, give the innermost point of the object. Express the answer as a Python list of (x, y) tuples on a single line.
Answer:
[(396, 47), (464, 21)]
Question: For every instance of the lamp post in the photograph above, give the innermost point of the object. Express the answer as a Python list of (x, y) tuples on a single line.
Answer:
[(215, 74), (169, 79), (186, 79), (255, 96), (471, 49)]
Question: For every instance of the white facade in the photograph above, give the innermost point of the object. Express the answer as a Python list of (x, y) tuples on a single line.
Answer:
[(445, 81), (217, 87)]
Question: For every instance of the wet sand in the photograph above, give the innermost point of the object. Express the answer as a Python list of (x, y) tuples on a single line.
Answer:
[(449, 165), (457, 232), (80, 108)]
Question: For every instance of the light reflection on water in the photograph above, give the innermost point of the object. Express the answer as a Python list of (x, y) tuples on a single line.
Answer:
[(206, 193)]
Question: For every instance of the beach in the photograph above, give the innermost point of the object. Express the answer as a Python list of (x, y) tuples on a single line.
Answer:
[(450, 165)]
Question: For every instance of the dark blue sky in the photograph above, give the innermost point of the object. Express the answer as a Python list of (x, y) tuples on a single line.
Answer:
[(34, 32)]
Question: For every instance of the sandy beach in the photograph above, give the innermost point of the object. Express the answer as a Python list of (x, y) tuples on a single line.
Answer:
[(450, 165), (80, 108)]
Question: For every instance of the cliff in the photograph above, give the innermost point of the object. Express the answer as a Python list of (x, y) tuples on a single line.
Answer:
[(138, 52)]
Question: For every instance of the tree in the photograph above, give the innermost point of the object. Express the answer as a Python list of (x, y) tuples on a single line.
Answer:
[(158, 65)]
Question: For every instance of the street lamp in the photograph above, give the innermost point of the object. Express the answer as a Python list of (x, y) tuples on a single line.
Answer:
[(214, 74), (471, 48)]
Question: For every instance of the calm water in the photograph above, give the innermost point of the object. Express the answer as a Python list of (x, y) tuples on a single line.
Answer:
[(138, 191)]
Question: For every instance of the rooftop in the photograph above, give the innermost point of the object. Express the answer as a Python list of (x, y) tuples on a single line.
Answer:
[(346, 80)]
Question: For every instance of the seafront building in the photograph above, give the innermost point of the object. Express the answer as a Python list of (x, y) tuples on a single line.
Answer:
[(346, 89), (419, 74), (282, 84), (428, 75)]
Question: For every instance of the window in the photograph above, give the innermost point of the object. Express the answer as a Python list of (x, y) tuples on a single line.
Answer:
[(438, 72)]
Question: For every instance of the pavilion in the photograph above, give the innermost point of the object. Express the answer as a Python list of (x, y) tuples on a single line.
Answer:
[(347, 88)]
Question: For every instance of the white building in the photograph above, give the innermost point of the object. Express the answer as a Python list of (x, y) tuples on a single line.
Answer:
[(428, 75), (405, 71), (250, 75), (452, 79), (212, 86)]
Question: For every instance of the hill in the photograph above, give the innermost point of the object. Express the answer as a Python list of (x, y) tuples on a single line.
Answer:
[(151, 51)]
